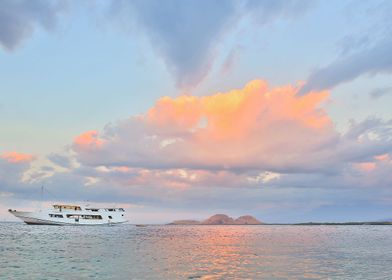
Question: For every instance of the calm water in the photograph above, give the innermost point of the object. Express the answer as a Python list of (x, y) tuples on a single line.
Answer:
[(195, 252)]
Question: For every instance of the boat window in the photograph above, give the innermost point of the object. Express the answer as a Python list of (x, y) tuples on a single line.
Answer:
[(92, 209), (92, 217), (72, 216), (121, 209), (111, 210), (56, 216), (110, 217)]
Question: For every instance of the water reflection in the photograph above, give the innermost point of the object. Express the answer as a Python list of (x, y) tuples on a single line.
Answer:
[(195, 252), (222, 252)]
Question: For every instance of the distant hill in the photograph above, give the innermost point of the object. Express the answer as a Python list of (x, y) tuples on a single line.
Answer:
[(221, 219), (185, 222), (247, 220)]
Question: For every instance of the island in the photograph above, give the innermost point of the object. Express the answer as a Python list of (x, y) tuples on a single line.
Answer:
[(221, 219), (185, 222)]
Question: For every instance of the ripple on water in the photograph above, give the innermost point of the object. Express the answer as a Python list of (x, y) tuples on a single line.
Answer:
[(195, 252)]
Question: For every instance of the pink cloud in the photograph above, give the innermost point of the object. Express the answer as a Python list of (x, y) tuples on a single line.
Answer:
[(88, 140), (383, 157), (365, 166), (15, 157), (379, 164), (257, 135), (244, 128), (179, 178)]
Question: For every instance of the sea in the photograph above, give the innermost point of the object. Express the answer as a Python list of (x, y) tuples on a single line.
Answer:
[(195, 252)]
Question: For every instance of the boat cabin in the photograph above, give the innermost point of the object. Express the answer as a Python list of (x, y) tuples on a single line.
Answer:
[(67, 207)]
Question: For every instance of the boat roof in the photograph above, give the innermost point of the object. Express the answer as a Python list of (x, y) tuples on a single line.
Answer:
[(78, 207), (65, 206)]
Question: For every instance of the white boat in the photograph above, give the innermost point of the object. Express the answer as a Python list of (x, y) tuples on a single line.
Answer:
[(63, 214)]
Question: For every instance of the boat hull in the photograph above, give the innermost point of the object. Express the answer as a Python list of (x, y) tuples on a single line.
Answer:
[(38, 218)]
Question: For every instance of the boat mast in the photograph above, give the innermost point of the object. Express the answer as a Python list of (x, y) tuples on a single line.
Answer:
[(42, 196)]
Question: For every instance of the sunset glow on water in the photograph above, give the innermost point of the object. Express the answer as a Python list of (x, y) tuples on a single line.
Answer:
[(195, 252)]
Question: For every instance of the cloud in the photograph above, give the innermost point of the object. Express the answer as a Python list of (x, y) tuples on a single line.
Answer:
[(187, 33), (19, 19), (13, 166), (379, 92), (15, 157), (88, 140), (183, 32), (266, 11), (250, 128), (245, 138), (60, 160), (367, 53), (230, 61), (371, 61)]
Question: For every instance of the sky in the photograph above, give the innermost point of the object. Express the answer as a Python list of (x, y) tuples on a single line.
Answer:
[(184, 109)]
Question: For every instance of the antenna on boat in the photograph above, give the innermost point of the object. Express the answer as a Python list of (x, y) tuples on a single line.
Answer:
[(42, 196)]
